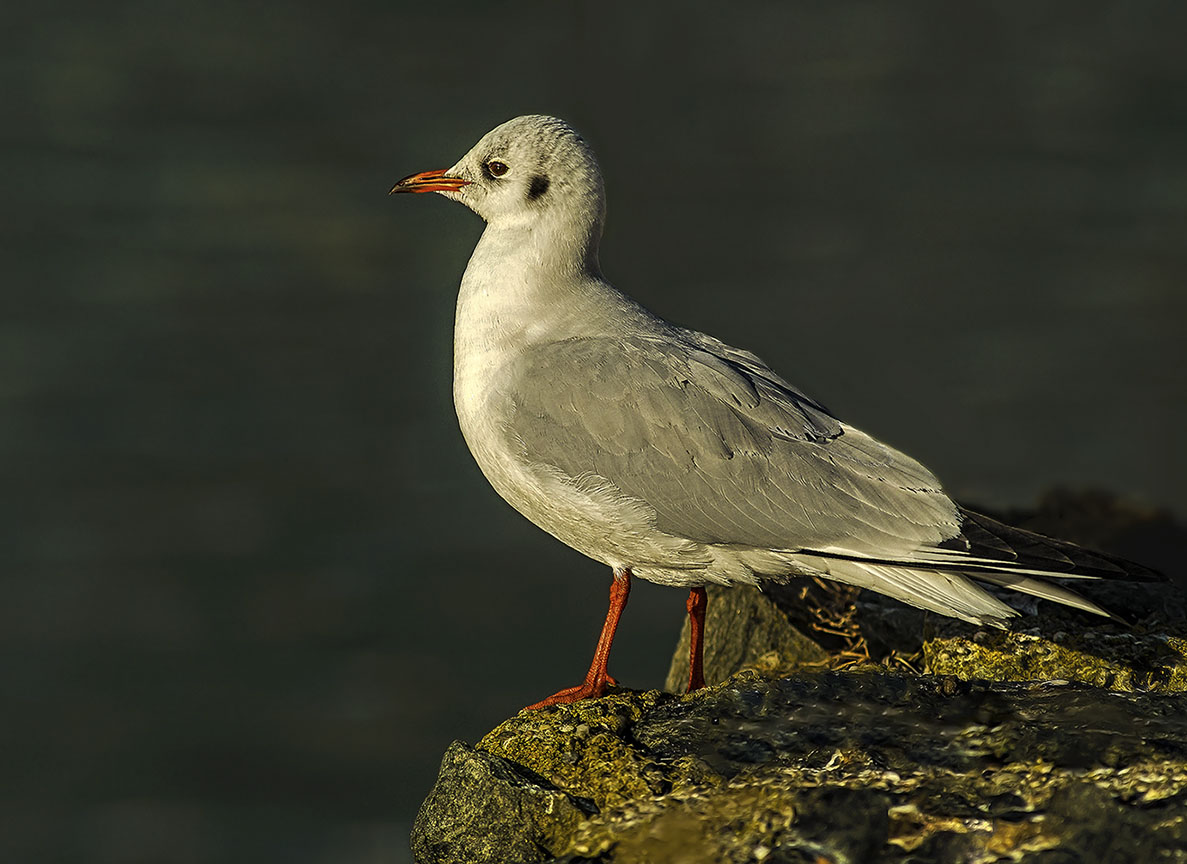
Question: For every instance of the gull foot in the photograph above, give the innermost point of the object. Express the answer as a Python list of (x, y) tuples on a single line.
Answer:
[(588, 690)]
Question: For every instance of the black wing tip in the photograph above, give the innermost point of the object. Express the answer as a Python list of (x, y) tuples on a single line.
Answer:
[(1059, 558)]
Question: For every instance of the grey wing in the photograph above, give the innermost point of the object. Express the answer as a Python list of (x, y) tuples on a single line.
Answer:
[(721, 448)]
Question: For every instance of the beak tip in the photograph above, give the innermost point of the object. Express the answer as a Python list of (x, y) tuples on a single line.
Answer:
[(429, 181)]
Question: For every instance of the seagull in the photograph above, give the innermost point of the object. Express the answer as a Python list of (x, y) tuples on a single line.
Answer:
[(669, 455)]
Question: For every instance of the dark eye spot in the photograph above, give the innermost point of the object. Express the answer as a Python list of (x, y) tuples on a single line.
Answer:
[(539, 187), (495, 168)]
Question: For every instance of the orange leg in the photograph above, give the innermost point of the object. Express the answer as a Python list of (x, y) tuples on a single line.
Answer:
[(597, 679), (698, 601)]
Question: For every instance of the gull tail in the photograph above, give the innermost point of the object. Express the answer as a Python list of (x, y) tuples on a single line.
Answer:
[(941, 578), (937, 591)]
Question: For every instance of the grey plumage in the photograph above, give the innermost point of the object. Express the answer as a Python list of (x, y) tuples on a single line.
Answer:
[(722, 453), (665, 451)]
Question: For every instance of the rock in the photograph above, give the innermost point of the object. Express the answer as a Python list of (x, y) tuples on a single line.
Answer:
[(1108, 657), (486, 809), (588, 749), (865, 766)]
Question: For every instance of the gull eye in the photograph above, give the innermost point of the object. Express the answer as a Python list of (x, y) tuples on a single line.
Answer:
[(496, 168)]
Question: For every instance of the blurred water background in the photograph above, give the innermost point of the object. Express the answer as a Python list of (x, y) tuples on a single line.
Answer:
[(252, 583)]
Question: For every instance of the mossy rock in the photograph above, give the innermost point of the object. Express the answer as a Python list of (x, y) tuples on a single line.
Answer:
[(1115, 659), (483, 808), (583, 746), (867, 766)]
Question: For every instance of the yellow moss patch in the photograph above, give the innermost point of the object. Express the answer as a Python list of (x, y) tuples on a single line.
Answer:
[(580, 748), (1114, 661), (700, 825)]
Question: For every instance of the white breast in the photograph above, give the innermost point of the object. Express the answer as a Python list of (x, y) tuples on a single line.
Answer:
[(498, 317)]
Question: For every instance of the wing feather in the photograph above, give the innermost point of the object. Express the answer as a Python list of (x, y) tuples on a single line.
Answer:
[(723, 450)]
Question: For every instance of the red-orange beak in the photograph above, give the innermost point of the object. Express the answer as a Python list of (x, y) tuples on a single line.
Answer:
[(429, 181)]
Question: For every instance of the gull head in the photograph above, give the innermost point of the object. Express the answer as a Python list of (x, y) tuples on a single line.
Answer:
[(527, 170)]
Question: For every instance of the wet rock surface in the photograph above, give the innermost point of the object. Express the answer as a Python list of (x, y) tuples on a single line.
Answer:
[(824, 766), (848, 728)]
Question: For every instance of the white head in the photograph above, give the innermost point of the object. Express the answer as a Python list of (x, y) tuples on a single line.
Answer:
[(532, 172)]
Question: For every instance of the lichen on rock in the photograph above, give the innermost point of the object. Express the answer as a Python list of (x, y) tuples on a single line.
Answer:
[(1122, 660), (840, 766), (584, 746)]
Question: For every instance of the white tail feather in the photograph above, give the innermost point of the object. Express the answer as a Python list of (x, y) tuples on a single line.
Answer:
[(946, 593)]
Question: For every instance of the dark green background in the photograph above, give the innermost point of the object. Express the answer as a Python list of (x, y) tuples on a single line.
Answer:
[(253, 583)]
